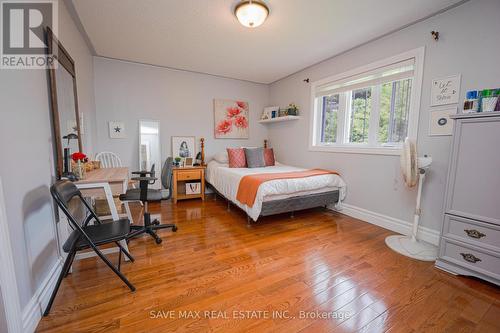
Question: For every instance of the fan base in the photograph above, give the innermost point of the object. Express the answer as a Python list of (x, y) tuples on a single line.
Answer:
[(409, 247)]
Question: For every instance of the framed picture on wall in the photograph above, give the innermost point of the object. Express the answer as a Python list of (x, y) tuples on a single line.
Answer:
[(116, 130), (231, 119), (440, 123), (445, 90), (183, 146)]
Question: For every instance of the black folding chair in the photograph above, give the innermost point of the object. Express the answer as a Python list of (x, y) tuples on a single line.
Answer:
[(85, 236)]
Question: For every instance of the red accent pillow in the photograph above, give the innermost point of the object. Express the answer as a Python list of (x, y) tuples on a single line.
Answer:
[(236, 158), (269, 156)]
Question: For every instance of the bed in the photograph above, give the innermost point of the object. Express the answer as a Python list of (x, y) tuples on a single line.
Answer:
[(276, 196)]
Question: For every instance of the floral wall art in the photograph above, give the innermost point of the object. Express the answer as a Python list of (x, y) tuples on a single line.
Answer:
[(231, 119)]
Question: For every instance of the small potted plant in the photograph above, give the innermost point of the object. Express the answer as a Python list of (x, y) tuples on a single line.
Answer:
[(177, 161), (79, 158)]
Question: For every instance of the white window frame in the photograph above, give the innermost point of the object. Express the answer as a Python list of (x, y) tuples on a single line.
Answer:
[(363, 148)]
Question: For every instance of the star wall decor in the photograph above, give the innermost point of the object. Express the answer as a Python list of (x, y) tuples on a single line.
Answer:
[(117, 130)]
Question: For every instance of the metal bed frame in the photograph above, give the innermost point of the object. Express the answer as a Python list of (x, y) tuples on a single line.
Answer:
[(289, 205)]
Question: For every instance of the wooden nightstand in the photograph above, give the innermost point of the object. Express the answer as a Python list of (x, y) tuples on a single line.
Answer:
[(181, 176)]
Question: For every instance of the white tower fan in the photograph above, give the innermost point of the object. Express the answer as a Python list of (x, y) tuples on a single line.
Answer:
[(413, 169)]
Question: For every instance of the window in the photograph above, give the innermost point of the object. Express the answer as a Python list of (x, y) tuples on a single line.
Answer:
[(371, 109)]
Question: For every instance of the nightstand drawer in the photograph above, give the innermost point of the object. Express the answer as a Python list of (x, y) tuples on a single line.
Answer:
[(473, 232), (188, 174)]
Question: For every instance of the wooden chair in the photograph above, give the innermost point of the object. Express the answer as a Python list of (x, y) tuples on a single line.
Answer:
[(109, 160)]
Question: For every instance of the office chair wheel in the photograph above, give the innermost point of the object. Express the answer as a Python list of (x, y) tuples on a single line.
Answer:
[(174, 228), (158, 240)]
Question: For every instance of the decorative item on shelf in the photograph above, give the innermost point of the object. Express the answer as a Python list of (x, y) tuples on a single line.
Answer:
[(231, 119), (486, 100), (471, 103), (268, 112), (283, 112), (489, 99), (293, 110), (79, 158), (177, 161)]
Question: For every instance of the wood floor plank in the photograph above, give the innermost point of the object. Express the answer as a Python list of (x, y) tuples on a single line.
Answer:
[(280, 275)]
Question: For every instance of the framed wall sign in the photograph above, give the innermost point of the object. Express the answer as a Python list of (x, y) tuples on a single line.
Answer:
[(116, 130), (440, 123), (445, 90)]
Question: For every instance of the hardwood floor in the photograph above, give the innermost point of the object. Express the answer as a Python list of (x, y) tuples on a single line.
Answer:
[(319, 263)]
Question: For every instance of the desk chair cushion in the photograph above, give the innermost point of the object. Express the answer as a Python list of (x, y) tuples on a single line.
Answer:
[(135, 195), (99, 234)]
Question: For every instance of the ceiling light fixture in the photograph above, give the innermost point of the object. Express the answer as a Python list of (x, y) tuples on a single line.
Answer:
[(251, 13)]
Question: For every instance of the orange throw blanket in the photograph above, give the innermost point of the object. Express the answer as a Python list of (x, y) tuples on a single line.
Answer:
[(249, 185)]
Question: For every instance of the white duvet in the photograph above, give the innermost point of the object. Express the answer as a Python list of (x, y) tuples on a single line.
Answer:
[(226, 180)]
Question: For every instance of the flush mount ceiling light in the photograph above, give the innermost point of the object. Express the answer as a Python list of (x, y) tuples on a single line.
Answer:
[(251, 13)]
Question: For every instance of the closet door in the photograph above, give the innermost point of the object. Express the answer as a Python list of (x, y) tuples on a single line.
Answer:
[(474, 185)]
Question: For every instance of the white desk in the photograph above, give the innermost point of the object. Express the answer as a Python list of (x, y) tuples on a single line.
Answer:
[(102, 183)]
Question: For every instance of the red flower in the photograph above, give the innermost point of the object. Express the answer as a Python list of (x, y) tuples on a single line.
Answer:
[(241, 104), (78, 156), (232, 112), (241, 122), (224, 127)]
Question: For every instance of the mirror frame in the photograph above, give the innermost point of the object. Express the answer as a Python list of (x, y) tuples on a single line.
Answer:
[(64, 59)]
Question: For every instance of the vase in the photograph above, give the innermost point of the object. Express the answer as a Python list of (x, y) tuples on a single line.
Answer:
[(80, 170)]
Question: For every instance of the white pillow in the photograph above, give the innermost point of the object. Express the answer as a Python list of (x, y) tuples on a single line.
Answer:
[(222, 157)]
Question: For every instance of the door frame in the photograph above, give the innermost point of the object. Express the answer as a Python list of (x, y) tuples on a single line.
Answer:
[(8, 282)]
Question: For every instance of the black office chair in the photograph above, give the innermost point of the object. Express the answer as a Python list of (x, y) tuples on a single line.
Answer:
[(146, 195), (85, 236)]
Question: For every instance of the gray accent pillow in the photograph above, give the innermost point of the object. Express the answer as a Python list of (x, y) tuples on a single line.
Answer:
[(255, 157)]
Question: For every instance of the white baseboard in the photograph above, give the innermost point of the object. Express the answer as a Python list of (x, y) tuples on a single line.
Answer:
[(32, 312), (390, 223)]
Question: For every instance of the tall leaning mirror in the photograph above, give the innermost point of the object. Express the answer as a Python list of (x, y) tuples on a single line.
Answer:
[(149, 147), (64, 105)]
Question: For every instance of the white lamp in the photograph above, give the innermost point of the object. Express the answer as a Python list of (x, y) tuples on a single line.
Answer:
[(251, 13)]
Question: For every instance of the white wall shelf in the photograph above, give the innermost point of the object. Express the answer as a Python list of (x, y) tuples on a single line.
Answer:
[(279, 119)]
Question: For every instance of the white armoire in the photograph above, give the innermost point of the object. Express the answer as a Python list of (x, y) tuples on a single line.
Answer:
[(470, 236)]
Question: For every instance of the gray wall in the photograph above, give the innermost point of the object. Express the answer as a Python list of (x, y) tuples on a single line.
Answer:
[(468, 45), (182, 102), (27, 166)]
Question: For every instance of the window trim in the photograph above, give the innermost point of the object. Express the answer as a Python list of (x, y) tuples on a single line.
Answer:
[(315, 121)]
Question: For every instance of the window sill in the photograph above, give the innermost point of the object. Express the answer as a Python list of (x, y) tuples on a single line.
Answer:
[(350, 149)]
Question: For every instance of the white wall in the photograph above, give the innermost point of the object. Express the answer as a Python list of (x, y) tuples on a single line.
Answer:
[(468, 45), (182, 102), (27, 165)]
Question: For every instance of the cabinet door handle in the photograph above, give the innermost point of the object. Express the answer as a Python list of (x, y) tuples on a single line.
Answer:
[(474, 233), (470, 257)]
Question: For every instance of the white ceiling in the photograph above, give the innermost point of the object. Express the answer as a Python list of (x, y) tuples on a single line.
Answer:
[(204, 35)]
